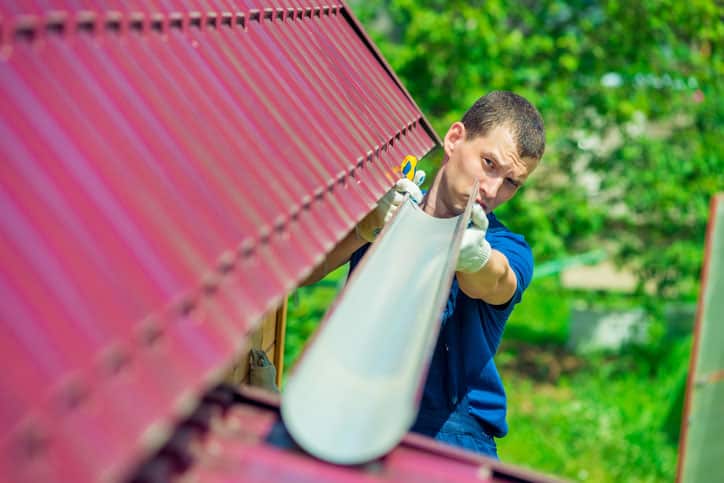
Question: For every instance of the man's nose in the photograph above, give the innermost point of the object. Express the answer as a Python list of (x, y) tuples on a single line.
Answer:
[(491, 185)]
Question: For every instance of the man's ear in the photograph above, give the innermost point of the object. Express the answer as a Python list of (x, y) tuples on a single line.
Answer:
[(455, 134)]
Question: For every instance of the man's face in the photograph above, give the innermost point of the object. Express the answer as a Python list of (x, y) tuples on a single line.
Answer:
[(492, 159)]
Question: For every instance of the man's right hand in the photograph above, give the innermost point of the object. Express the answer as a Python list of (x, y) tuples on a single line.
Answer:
[(372, 224)]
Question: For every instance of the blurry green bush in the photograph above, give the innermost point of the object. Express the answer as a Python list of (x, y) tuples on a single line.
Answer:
[(631, 93)]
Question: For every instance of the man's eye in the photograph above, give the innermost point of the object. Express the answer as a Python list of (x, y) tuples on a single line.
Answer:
[(489, 162), (512, 182)]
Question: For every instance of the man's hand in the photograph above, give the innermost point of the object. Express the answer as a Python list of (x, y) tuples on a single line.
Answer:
[(474, 249), (372, 224)]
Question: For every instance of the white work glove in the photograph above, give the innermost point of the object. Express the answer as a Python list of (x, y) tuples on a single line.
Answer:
[(474, 249), (372, 224)]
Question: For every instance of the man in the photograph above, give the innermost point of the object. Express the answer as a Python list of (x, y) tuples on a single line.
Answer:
[(499, 142)]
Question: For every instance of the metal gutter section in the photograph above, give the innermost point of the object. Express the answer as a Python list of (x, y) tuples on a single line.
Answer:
[(356, 390), (702, 446), (170, 171)]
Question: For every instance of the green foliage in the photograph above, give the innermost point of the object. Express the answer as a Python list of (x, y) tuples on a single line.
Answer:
[(632, 97), (542, 315), (307, 306)]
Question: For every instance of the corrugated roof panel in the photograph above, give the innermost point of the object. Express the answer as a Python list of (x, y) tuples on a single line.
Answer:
[(240, 437), (172, 169)]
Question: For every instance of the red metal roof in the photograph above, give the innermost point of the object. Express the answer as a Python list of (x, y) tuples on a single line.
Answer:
[(170, 171), (240, 437)]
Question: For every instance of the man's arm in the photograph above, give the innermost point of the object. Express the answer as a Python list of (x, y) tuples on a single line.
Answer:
[(367, 230), (483, 273), (339, 255), (495, 283)]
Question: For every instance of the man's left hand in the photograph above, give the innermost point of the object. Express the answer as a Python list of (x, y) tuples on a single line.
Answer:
[(474, 249)]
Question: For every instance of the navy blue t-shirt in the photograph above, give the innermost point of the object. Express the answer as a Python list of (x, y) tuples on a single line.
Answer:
[(462, 365)]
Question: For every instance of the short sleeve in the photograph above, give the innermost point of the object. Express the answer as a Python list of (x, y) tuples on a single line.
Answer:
[(519, 255), (357, 256)]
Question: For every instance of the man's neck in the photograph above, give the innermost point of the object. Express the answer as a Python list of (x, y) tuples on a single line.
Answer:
[(433, 203)]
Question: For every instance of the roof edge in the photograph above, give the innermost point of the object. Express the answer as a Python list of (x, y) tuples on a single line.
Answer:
[(355, 23)]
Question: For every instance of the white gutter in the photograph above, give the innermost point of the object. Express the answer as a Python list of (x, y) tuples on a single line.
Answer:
[(355, 392)]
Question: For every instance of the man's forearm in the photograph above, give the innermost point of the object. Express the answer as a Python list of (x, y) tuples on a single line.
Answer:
[(494, 283), (366, 230), (339, 255)]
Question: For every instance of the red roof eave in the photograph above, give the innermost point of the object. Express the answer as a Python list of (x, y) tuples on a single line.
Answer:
[(170, 171)]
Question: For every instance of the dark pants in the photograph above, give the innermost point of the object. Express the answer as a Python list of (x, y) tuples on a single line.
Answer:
[(458, 428)]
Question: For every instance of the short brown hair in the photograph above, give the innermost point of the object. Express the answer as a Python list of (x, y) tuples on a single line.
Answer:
[(499, 108)]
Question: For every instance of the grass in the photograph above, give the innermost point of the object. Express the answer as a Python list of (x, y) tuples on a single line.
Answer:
[(606, 416)]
